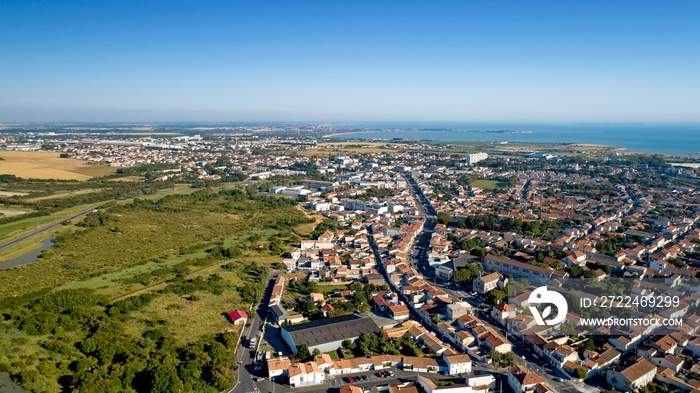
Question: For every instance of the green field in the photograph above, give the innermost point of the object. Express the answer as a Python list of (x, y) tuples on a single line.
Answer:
[(150, 317), (489, 184), (16, 229), (326, 289), (321, 288)]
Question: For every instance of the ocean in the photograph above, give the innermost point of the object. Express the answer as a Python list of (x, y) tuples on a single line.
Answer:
[(668, 138)]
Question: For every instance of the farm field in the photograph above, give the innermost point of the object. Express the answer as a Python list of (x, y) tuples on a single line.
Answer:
[(41, 165), (11, 212), (64, 194)]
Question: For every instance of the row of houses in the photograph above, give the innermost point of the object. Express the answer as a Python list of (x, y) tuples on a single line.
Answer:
[(322, 366)]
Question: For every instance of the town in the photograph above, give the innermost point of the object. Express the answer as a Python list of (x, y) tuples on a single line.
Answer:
[(422, 268)]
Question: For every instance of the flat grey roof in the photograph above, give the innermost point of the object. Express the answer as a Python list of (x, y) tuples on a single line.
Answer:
[(331, 329)]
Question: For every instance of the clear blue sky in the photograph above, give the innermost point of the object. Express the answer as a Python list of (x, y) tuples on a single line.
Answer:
[(524, 61)]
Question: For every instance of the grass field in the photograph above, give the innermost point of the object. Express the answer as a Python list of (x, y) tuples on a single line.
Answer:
[(129, 178), (16, 229), (64, 194), (42, 165), (32, 244), (141, 234), (4, 212), (488, 184), (306, 229), (167, 254)]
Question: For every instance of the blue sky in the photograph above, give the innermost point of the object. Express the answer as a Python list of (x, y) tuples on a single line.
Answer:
[(478, 61)]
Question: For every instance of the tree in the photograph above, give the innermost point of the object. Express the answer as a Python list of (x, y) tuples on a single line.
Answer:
[(503, 359), (164, 378), (508, 358), (303, 352), (580, 373), (444, 217), (557, 265), (497, 295), (467, 273), (316, 352)]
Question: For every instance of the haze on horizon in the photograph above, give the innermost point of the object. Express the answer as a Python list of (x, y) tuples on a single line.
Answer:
[(547, 61)]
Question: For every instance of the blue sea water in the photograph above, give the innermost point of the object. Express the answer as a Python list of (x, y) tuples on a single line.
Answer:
[(669, 138)]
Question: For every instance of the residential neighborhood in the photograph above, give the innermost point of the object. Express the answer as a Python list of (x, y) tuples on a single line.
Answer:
[(422, 270)]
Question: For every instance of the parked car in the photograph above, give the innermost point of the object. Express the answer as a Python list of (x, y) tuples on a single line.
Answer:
[(352, 380)]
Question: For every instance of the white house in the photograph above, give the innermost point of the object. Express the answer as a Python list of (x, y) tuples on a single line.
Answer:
[(632, 377), (458, 364), (277, 366), (305, 374)]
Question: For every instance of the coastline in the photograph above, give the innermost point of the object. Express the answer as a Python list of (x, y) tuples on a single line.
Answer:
[(505, 143), (650, 142)]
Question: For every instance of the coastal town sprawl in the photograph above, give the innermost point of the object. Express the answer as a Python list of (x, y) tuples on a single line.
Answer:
[(423, 262)]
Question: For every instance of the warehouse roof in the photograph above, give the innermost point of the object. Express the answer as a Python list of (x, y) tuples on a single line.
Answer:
[(331, 329)]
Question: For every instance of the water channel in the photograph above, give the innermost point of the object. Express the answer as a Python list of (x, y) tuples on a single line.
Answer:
[(29, 257)]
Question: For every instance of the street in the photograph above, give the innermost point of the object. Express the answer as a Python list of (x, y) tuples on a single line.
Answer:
[(523, 357), (245, 357)]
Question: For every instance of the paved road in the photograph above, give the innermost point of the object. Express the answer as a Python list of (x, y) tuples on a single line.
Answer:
[(245, 356), (46, 228), (523, 357)]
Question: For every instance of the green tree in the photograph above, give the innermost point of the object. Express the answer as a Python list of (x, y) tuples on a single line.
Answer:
[(164, 378), (444, 217), (303, 352), (497, 295), (467, 273), (508, 358), (580, 373)]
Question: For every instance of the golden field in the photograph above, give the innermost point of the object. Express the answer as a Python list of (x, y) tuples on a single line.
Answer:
[(44, 165)]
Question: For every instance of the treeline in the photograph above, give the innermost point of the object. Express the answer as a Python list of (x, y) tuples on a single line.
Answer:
[(110, 190), (380, 344), (256, 277), (100, 356), (374, 192), (491, 222)]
